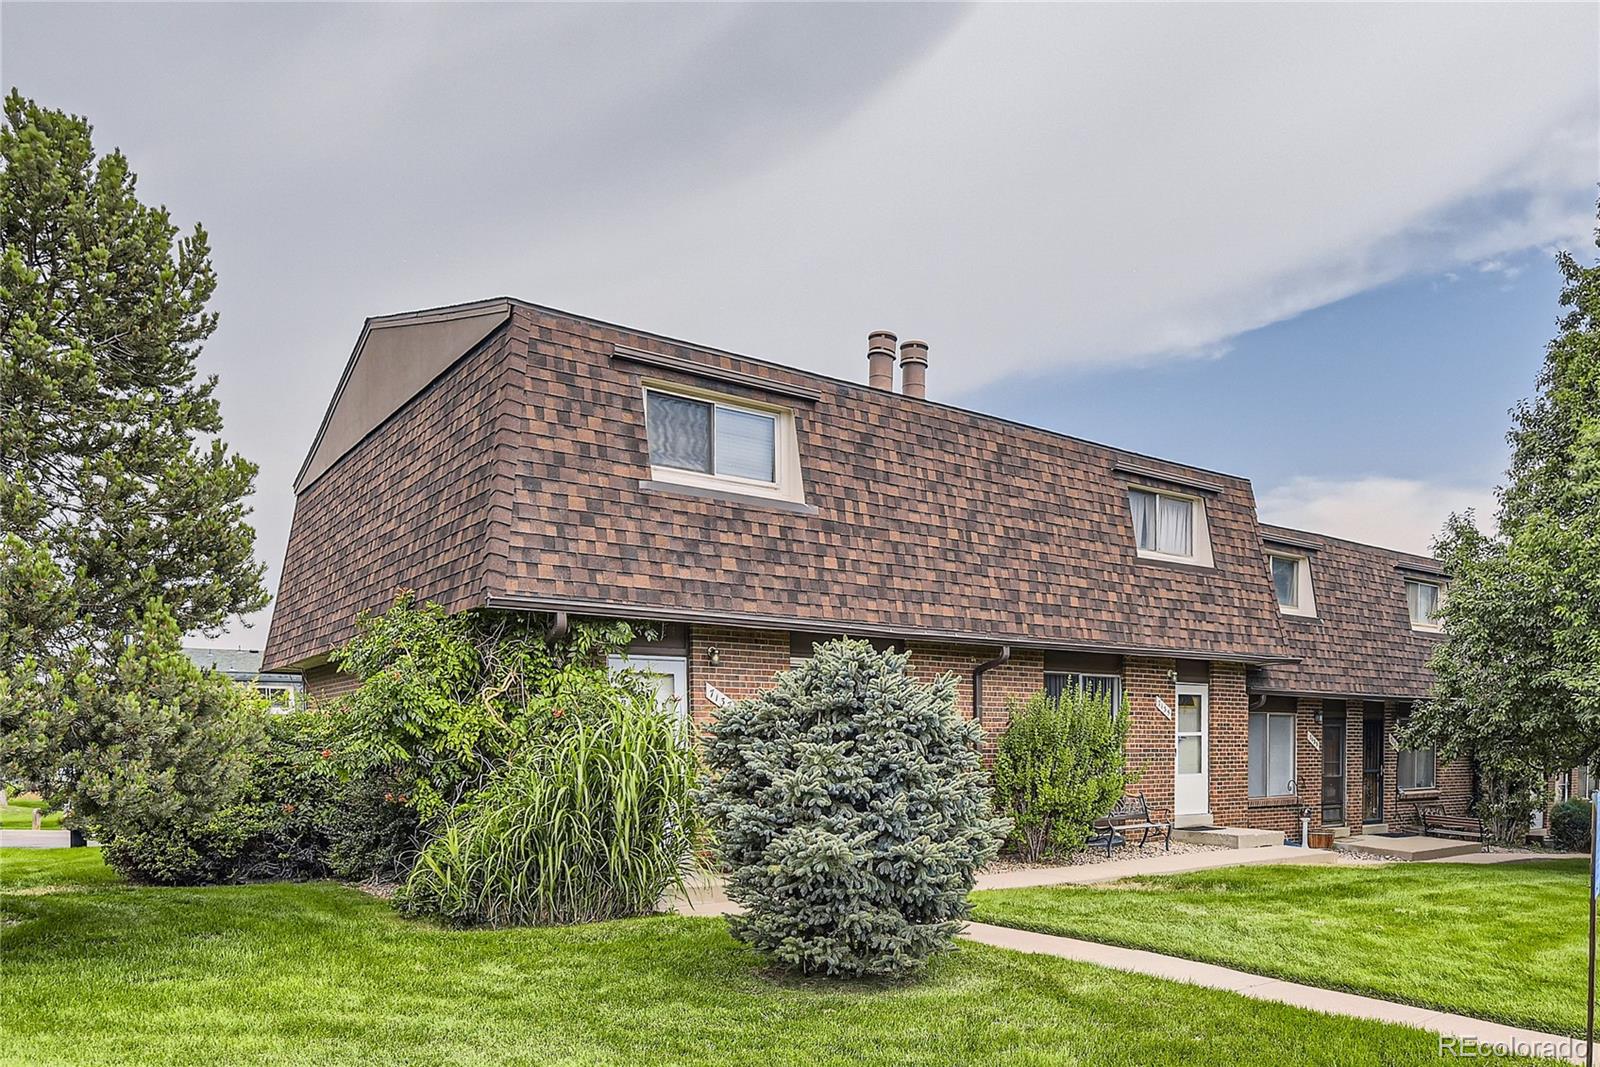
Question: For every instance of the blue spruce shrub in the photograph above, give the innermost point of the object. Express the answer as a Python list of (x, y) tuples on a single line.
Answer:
[(852, 814)]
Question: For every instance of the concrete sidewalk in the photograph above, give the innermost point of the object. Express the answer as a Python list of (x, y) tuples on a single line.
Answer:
[(1154, 862), (1175, 969), (709, 899), (35, 838)]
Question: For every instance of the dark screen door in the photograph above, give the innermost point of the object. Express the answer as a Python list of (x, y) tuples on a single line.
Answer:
[(1372, 770), (1332, 771)]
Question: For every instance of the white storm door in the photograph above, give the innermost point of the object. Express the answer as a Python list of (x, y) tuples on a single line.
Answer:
[(1191, 783), (668, 674)]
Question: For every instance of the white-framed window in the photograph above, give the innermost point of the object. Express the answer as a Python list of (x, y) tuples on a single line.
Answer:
[(1416, 768), (1057, 684), (280, 697), (1422, 601), (1291, 583), (710, 441), (1271, 754), (1169, 526)]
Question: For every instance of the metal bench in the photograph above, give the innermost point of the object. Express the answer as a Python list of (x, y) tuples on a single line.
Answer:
[(1435, 823), (1131, 813)]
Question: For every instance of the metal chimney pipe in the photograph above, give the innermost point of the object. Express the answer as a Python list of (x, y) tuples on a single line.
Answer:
[(914, 368), (880, 360)]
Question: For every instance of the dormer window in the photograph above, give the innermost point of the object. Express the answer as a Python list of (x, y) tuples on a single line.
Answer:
[(1422, 601), (1291, 583), (1170, 526), (711, 442), (710, 438)]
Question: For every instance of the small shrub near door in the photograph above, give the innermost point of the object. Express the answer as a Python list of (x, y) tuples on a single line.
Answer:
[(1569, 825), (852, 814), (1059, 765)]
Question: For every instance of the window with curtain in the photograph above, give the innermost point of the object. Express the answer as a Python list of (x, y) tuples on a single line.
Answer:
[(1107, 685), (1422, 600), (1162, 523), (1271, 756), (1286, 580), (690, 434), (1416, 768)]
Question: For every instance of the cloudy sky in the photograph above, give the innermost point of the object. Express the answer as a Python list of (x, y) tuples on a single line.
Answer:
[(1306, 244)]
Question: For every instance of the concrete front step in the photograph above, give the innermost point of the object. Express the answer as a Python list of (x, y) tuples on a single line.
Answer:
[(1229, 836), (1405, 848)]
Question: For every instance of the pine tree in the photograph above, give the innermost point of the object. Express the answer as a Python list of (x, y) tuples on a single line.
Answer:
[(116, 491), (852, 814)]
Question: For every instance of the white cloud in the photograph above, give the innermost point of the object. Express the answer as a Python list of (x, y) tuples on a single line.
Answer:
[(1399, 513)]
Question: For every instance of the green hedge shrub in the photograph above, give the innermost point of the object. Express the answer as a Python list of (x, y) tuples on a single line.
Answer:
[(1569, 825), (297, 816), (851, 812), (164, 744), (593, 820), (1059, 765)]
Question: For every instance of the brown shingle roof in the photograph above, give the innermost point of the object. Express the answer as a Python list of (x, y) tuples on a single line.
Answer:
[(515, 479), (1361, 643)]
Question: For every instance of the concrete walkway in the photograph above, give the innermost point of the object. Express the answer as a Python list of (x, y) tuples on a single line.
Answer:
[(1153, 861), (1509, 857), (35, 838), (1175, 969), (707, 898)]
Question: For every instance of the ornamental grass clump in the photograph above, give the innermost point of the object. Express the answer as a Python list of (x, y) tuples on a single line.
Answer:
[(593, 821), (852, 814)]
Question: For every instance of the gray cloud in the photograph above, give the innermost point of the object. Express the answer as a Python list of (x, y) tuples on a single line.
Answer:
[(1030, 187)]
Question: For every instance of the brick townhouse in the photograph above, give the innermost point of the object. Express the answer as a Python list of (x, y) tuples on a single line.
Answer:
[(510, 456)]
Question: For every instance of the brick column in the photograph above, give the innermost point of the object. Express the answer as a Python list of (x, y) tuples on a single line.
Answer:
[(1354, 801), (1307, 759), (1230, 744), (1152, 738)]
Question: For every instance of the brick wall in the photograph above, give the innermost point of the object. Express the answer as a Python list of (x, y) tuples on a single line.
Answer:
[(1152, 741), (747, 662), (1012, 682), (326, 683), (1353, 785), (1229, 745)]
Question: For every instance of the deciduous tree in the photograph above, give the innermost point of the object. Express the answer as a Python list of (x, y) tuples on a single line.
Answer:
[(1518, 674)]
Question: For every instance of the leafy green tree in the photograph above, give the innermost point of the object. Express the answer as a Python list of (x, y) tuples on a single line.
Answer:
[(1060, 765), (116, 490), (447, 700), (852, 813), (1517, 684)]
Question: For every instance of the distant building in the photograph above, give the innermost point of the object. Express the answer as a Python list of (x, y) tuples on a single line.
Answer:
[(285, 689)]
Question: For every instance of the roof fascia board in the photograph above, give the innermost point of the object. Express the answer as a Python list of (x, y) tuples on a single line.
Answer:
[(608, 609)]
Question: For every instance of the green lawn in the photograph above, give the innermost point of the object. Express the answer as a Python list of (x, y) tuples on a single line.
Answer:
[(18, 814), (1505, 942), (98, 972)]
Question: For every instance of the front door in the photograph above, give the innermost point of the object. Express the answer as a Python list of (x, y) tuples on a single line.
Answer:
[(1191, 783), (1332, 771), (1372, 770), (669, 675)]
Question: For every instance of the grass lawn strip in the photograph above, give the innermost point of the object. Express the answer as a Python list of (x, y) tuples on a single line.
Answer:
[(1504, 942), (321, 973), (18, 814)]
